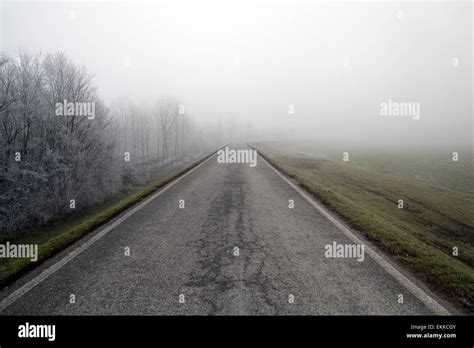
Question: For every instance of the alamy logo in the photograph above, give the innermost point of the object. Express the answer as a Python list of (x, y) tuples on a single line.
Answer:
[(75, 109), (237, 156), (335, 250), (406, 109), (37, 331)]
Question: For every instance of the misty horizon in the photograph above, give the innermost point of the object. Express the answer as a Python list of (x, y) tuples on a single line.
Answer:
[(280, 71)]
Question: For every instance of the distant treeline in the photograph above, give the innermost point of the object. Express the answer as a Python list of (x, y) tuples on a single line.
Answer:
[(63, 148)]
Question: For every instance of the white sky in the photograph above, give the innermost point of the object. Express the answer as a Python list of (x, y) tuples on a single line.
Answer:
[(251, 59)]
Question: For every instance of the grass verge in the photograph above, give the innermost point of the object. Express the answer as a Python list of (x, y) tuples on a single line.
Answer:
[(56, 236), (421, 236)]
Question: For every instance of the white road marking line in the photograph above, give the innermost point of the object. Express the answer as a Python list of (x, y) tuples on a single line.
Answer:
[(14, 296), (387, 266)]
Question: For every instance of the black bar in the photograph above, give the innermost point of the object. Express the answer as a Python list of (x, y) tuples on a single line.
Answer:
[(135, 330)]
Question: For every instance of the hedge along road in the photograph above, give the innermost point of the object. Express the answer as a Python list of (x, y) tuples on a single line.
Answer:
[(220, 240)]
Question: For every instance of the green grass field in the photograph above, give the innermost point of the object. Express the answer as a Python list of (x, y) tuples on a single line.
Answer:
[(433, 166), (421, 236)]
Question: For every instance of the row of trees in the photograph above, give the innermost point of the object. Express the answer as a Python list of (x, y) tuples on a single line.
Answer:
[(50, 163), (153, 132)]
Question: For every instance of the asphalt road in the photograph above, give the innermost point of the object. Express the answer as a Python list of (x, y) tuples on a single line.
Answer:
[(190, 251)]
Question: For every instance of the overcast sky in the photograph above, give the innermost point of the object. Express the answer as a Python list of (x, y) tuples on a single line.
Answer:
[(335, 63)]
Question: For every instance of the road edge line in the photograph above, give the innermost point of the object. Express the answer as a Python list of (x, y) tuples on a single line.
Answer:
[(25, 288), (414, 289)]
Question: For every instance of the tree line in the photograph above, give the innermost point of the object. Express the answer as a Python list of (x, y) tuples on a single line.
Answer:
[(54, 159)]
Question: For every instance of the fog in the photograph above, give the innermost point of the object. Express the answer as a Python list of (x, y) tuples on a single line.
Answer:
[(282, 70)]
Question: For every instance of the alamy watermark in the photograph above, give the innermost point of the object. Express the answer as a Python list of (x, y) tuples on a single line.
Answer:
[(336, 250), (227, 155), (75, 109), (404, 109), (10, 251)]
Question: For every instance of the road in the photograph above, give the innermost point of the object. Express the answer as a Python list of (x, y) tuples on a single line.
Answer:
[(190, 251)]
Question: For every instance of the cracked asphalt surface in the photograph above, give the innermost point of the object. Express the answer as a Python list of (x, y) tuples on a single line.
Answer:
[(191, 251)]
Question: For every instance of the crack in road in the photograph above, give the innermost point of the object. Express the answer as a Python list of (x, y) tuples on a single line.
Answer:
[(220, 274)]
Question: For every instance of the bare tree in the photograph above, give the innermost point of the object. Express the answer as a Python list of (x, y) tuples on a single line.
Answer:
[(167, 109)]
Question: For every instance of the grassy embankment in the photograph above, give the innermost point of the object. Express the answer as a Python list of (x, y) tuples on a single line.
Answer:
[(421, 236), (59, 234)]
